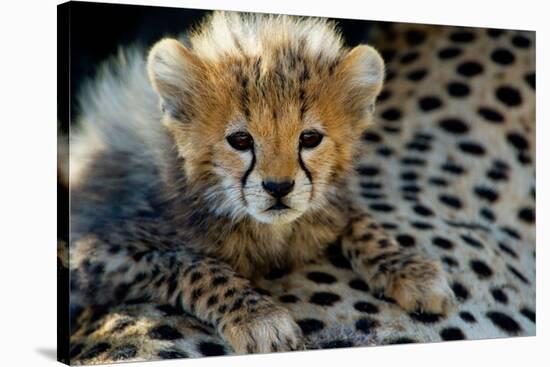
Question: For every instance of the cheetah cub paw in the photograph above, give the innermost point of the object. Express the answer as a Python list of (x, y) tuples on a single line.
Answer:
[(269, 328), (421, 285)]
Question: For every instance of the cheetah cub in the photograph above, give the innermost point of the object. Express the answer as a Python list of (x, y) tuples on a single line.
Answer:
[(217, 159)]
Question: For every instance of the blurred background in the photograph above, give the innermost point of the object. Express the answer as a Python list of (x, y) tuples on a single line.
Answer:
[(97, 31)]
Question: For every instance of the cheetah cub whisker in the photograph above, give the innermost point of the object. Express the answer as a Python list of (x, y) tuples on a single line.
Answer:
[(207, 164)]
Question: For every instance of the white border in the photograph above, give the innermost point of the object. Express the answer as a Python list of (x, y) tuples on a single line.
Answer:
[(28, 161)]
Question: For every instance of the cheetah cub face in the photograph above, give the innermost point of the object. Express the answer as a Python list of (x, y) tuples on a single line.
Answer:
[(266, 122)]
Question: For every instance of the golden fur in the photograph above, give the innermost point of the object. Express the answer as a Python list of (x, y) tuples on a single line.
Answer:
[(177, 213)]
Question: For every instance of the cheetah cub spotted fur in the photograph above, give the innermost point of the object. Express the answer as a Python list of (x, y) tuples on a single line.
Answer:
[(221, 157)]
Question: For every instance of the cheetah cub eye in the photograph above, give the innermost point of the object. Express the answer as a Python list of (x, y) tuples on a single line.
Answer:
[(241, 140), (310, 139)]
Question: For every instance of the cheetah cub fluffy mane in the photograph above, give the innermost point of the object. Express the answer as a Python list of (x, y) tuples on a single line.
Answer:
[(220, 157)]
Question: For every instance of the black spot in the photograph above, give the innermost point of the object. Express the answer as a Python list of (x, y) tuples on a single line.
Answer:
[(422, 225), (211, 349), (171, 354), (454, 126), (338, 343), (277, 273), (320, 277), (497, 175), (212, 300), (366, 307), (458, 89), (381, 207), (461, 292), (481, 269), (442, 243), (309, 326), (414, 37), (527, 215), (368, 170), (504, 322), (417, 75), (471, 148), (384, 95), (372, 137), (123, 352), (195, 277), (423, 136), (510, 232), (468, 317), (413, 161), (502, 56), (425, 317), (391, 114), (388, 54), (524, 158), (75, 350), (495, 33), (164, 332), (288, 298), (452, 168), (509, 96), (486, 193), (359, 285), (219, 280), (530, 314), (402, 340), (452, 333), (371, 185), (429, 103), (423, 210), (517, 141), (438, 181), (405, 240), (499, 295), (390, 74), (414, 189), (490, 114), (469, 68), (531, 80), (365, 324), (462, 36), (324, 298), (449, 261), (196, 294), (95, 351), (380, 296), (409, 57), (384, 151), (471, 241), (507, 250), (520, 41), (387, 225), (335, 256), (449, 53), (451, 201), (518, 275), (501, 165), (409, 176)]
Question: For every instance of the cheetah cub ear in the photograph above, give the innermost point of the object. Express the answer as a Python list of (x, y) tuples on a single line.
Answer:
[(363, 71), (173, 72)]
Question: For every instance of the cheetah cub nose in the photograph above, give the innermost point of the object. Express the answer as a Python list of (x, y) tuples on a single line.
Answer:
[(278, 189)]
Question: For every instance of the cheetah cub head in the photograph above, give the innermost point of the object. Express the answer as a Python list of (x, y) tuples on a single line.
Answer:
[(265, 110)]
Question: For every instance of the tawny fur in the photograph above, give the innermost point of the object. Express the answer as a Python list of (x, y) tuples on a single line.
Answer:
[(164, 208)]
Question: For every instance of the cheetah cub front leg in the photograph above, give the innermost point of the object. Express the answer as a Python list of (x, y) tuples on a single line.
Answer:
[(248, 321), (414, 282)]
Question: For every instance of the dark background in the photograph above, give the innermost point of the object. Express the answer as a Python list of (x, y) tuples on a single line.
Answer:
[(98, 30)]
